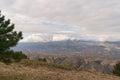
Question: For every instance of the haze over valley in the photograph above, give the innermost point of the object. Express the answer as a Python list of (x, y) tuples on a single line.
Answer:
[(91, 55), (60, 37)]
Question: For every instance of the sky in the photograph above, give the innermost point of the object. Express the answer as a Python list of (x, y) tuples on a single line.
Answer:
[(91, 19)]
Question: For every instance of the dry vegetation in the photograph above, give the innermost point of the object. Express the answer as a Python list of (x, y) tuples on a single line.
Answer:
[(36, 70)]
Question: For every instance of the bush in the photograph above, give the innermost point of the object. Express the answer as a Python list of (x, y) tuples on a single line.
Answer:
[(10, 56), (4, 59), (42, 59), (116, 70), (17, 56)]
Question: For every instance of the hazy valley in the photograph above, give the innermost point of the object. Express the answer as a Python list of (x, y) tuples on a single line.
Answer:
[(89, 55)]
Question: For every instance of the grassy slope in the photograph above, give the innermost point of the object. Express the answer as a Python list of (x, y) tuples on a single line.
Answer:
[(35, 70)]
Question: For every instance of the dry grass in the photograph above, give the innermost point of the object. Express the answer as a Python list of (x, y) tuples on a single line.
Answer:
[(35, 64), (30, 70)]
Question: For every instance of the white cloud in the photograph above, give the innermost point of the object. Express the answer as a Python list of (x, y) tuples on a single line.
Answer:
[(87, 17)]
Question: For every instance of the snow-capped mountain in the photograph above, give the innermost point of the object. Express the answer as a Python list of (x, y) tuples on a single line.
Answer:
[(45, 37), (38, 38)]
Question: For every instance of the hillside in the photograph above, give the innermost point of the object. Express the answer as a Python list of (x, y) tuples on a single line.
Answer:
[(110, 50), (104, 65), (92, 55), (35, 70)]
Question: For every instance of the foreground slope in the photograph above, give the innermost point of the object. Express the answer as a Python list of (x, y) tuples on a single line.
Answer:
[(35, 70)]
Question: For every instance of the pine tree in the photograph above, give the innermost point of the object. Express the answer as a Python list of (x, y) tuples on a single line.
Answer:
[(8, 38)]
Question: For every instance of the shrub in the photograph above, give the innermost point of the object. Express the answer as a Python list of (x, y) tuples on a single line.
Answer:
[(116, 70), (10, 56)]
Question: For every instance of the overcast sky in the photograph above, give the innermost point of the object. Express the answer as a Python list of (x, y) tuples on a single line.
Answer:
[(98, 19)]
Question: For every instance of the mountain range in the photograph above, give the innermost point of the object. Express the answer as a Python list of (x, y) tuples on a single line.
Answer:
[(92, 55), (90, 48)]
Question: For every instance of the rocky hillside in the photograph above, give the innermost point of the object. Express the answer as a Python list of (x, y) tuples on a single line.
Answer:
[(32, 70), (90, 55), (109, 50), (88, 63)]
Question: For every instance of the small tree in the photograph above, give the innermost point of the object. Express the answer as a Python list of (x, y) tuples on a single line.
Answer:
[(116, 70), (8, 38)]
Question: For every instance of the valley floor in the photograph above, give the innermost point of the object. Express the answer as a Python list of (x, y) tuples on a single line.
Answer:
[(18, 71)]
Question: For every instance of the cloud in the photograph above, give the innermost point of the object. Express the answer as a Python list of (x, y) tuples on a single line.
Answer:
[(87, 17)]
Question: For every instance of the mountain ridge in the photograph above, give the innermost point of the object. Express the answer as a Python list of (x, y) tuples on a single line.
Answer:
[(92, 55)]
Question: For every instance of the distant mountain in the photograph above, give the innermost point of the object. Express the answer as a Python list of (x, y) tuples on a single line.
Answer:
[(55, 46), (92, 55), (85, 48)]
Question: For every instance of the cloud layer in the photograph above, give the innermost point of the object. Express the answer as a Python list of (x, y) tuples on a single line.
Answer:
[(89, 18)]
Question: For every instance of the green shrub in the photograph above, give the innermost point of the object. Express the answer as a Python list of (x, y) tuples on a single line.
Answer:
[(42, 59), (116, 70), (4, 59), (17, 56), (10, 56)]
